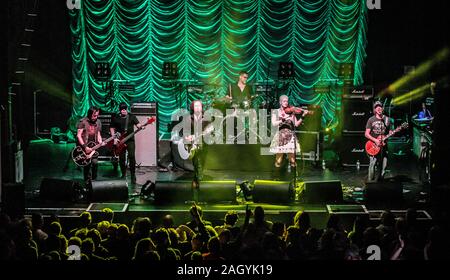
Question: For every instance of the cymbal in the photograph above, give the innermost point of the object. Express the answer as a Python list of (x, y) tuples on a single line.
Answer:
[(221, 99)]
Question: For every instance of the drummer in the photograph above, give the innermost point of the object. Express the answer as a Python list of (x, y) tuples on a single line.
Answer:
[(240, 93)]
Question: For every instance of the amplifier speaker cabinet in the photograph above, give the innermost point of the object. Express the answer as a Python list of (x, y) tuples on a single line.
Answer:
[(355, 113), (352, 150), (105, 153), (310, 145), (146, 141)]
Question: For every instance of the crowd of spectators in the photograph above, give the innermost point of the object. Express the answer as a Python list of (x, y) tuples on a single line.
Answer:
[(252, 237)]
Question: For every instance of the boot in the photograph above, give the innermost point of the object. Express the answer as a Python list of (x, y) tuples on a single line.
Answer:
[(276, 173)]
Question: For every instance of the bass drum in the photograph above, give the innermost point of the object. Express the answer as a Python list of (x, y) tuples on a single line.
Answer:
[(177, 160)]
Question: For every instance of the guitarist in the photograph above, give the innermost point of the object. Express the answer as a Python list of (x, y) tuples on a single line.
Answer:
[(197, 123), (89, 130), (124, 123), (377, 125)]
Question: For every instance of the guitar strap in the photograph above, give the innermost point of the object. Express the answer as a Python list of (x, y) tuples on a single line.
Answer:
[(126, 123), (96, 133)]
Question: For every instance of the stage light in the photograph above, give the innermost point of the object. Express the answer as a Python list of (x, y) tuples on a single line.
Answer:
[(418, 92), (286, 70), (412, 95), (346, 73), (102, 71), (148, 190), (246, 189), (420, 71), (170, 70)]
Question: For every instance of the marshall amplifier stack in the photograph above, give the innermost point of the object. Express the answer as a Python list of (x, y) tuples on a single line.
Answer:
[(356, 110)]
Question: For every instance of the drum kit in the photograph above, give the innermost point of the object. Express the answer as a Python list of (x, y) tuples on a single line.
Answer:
[(213, 100), (211, 96)]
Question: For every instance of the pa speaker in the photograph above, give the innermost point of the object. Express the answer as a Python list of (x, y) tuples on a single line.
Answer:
[(386, 192), (168, 192), (110, 190), (272, 191), (59, 190), (13, 200), (323, 192), (217, 191)]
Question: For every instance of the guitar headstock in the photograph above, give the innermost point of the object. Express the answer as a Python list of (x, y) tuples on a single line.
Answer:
[(151, 120), (402, 126)]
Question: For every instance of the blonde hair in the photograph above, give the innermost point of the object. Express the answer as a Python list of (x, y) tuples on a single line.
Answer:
[(283, 97)]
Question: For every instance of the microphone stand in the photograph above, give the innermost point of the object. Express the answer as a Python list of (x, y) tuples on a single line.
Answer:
[(295, 155), (267, 80), (295, 151)]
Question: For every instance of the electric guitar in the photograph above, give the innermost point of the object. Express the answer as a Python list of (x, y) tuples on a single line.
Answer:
[(372, 149), (121, 146), (187, 151), (79, 155)]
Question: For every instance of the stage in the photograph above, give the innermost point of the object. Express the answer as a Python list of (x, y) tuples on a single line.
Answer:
[(45, 159)]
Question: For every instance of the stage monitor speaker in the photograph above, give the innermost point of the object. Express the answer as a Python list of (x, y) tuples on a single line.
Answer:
[(351, 150), (217, 191), (384, 193), (146, 141), (59, 190), (13, 200), (355, 113), (109, 190), (172, 192), (323, 192), (266, 191)]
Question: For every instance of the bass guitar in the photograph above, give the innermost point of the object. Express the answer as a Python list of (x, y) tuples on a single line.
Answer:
[(81, 158), (373, 149), (121, 146)]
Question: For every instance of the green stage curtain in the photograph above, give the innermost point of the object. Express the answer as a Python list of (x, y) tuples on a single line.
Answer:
[(212, 40)]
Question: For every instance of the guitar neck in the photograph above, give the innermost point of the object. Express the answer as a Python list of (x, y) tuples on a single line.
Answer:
[(132, 133), (391, 133), (100, 144)]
